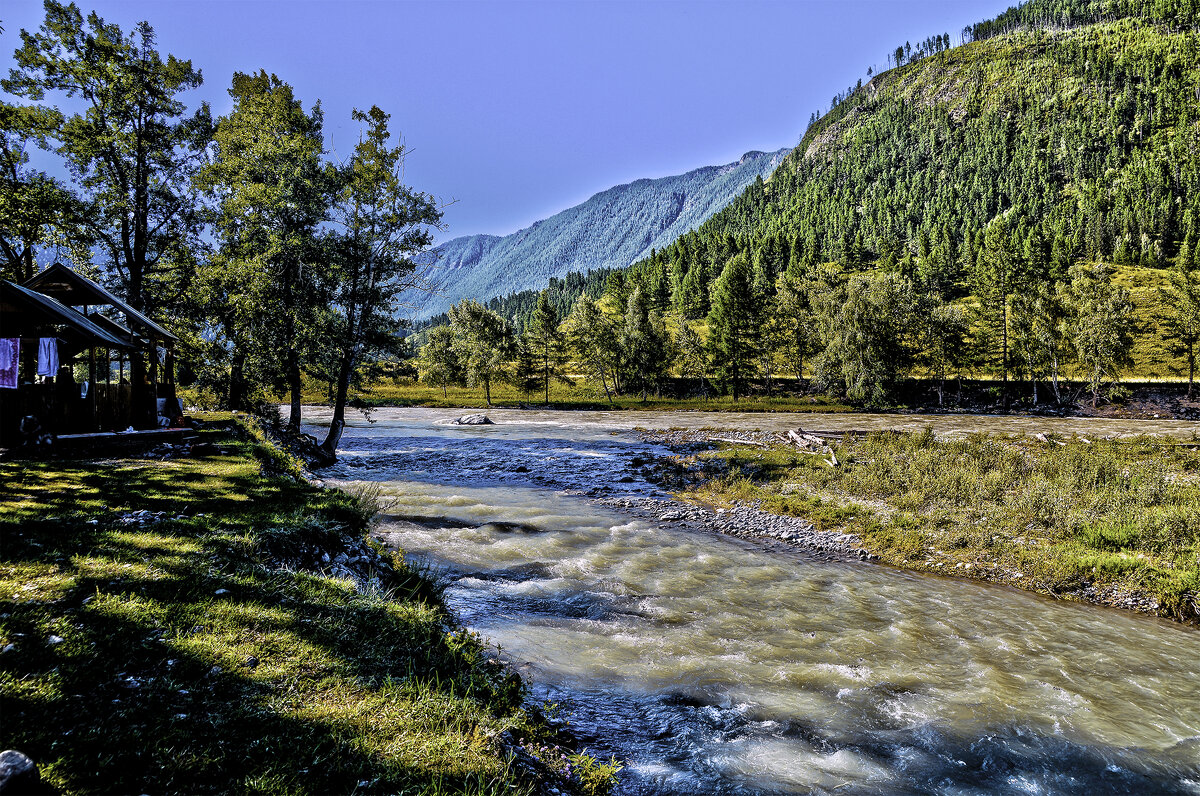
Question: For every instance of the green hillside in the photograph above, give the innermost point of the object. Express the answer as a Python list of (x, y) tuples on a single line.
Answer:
[(1023, 207), (1078, 123)]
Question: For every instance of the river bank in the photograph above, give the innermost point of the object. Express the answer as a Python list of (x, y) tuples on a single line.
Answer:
[(1109, 522), (203, 621), (712, 660), (1134, 400)]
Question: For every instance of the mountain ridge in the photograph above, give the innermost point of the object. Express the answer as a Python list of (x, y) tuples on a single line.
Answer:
[(613, 228)]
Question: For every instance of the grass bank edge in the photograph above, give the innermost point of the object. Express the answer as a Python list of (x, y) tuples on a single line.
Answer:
[(185, 650), (1114, 522)]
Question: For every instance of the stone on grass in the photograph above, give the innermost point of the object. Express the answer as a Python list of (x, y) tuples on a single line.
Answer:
[(18, 774)]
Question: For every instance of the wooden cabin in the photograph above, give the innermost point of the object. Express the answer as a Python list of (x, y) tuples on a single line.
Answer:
[(115, 368)]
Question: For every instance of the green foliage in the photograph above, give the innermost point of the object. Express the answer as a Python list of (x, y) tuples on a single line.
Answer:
[(35, 208), (645, 344), (271, 193), (594, 777), (871, 326), (1057, 516), (735, 322), (1100, 324), (484, 343), (547, 343), (132, 152), (1183, 296), (439, 362)]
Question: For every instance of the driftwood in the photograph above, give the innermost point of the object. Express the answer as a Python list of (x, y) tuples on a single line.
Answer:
[(737, 441), (806, 440)]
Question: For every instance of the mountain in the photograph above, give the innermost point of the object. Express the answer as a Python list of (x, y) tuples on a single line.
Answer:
[(612, 229), (1076, 120)]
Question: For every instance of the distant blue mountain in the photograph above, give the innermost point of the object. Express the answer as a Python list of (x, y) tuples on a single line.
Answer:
[(613, 229)]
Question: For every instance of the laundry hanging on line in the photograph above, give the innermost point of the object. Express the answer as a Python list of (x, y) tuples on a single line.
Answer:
[(10, 359), (47, 356)]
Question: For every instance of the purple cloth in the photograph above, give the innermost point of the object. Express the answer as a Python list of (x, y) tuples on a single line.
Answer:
[(10, 358), (47, 356)]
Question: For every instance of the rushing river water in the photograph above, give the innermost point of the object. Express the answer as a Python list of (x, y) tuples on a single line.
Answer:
[(712, 665)]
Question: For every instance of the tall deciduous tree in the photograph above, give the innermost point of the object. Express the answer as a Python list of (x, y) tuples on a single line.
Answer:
[(943, 331), (871, 328), (1040, 335), (35, 208), (1101, 324), (382, 224), (595, 339), (272, 193), (796, 321), (439, 363), (484, 343), (131, 150)]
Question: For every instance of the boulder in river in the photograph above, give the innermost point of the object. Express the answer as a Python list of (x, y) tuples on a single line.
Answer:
[(474, 420)]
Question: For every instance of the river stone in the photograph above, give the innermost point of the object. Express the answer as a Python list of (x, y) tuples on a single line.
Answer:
[(474, 420), (18, 774)]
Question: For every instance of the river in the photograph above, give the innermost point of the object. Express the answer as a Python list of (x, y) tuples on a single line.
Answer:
[(713, 665)]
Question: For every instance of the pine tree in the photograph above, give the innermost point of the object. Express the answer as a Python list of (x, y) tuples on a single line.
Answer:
[(734, 323), (1183, 295), (547, 342), (995, 282)]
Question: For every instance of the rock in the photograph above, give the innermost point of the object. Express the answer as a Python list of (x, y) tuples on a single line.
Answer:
[(18, 773), (473, 420)]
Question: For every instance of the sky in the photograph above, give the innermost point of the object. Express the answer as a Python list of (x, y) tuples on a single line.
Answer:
[(512, 110)]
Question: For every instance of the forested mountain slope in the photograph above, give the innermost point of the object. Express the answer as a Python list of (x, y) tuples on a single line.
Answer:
[(1079, 121), (612, 229)]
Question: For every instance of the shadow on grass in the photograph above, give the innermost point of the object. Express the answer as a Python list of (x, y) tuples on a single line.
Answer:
[(130, 673)]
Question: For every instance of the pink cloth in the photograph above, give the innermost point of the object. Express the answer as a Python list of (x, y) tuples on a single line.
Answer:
[(10, 358)]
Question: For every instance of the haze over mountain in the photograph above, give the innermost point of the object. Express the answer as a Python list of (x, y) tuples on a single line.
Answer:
[(612, 229)]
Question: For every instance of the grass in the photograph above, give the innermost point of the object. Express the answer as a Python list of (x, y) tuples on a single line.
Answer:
[(177, 654), (582, 395), (1075, 519)]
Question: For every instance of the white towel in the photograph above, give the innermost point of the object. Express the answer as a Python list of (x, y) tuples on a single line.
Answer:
[(47, 356)]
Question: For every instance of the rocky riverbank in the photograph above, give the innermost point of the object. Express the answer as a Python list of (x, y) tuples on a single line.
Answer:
[(1086, 572)]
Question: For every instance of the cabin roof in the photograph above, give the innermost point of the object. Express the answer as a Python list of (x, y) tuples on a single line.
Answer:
[(28, 313), (74, 289)]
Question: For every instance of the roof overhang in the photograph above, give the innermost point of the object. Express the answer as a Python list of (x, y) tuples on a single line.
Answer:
[(76, 290), (27, 313)]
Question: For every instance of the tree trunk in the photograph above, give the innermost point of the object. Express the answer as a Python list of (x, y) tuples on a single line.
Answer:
[(293, 378), (338, 424), (604, 384), (1191, 357), (487, 392), (237, 382)]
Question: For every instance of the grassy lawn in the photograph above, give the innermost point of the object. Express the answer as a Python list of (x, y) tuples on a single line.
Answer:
[(581, 395), (177, 654), (1087, 520)]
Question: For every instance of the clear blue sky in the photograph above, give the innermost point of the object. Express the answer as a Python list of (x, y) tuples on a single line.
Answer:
[(519, 109)]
